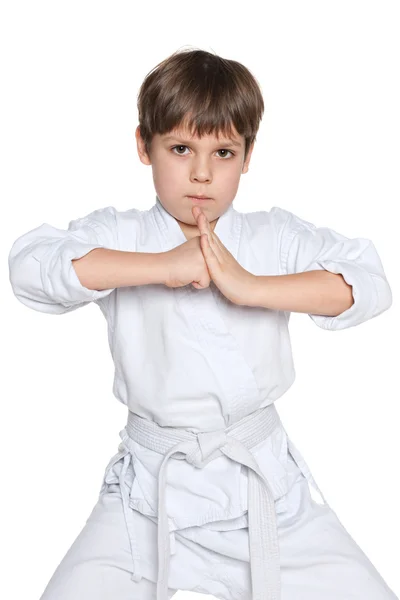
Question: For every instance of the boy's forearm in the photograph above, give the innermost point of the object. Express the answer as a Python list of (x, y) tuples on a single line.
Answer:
[(317, 292), (103, 268)]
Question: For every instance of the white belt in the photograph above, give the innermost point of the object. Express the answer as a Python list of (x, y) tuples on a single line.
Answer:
[(199, 449)]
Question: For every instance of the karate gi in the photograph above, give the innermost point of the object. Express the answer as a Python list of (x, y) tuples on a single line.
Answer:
[(207, 492)]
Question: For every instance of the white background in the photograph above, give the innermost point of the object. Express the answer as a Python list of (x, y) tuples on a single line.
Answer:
[(328, 150)]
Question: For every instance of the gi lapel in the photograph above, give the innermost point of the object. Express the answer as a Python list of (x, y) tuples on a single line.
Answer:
[(240, 393), (227, 228)]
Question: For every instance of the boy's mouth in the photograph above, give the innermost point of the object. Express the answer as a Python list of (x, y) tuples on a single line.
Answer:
[(199, 198)]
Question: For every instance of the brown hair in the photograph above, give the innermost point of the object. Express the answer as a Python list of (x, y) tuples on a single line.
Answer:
[(203, 93)]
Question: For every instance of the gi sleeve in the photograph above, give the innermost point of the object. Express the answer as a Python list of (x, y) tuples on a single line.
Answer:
[(305, 247), (41, 273)]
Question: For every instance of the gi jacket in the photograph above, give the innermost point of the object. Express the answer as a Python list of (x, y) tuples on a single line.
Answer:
[(190, 358)]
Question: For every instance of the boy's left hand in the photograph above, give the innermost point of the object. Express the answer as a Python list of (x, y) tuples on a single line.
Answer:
[(232, 280)]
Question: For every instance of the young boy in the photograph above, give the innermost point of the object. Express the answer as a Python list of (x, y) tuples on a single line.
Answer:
[(207, 492)]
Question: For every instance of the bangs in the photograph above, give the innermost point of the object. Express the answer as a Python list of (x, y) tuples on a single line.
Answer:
[(202, 94)]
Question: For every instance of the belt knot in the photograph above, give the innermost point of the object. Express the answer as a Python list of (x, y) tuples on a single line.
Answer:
[(208, 444)]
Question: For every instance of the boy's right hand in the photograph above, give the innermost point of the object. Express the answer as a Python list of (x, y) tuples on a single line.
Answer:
[(185, 264)]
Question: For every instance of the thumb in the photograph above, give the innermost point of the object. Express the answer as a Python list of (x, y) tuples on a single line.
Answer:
[(209, 255), (204, 280)]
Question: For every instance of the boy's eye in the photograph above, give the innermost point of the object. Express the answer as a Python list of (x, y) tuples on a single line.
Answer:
[(221, 150)]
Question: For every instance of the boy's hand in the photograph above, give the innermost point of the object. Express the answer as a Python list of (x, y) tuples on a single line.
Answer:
[(232, 280), (185, 264)]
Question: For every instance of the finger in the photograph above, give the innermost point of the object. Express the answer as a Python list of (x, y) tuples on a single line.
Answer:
[(210, 233), (203, 224), (200, 285), (209, 255), (205, 228), (197, 211), (200, 223), (205, 277), (216, 244), (199, 215)]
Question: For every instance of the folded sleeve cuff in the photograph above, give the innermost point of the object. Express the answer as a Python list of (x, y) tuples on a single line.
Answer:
[(371, 293), (59, 279), (42, 274)]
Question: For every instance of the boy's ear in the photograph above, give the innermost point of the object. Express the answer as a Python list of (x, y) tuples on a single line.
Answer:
[(143, 155), (246, 163)]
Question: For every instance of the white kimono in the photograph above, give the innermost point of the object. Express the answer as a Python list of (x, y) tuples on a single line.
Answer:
[(192, 368)]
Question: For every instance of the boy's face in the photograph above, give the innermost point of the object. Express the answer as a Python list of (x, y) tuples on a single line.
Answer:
[(183, 166)]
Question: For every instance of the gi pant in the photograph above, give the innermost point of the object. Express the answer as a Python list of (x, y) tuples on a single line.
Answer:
[(319, 559)]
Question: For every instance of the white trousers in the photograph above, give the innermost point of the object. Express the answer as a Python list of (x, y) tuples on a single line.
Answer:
[(319, 559)]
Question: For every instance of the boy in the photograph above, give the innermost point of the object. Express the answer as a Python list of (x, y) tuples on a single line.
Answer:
[(207, 492)]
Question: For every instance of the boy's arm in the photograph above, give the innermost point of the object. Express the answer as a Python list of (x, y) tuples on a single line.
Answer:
[(42, 262), (305, 248), (103, 268), (312, 292)]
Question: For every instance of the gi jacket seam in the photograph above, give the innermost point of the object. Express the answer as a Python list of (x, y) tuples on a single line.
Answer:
[(160, 228), (286, 245)]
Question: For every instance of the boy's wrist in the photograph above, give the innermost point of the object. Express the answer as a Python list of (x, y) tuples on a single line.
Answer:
[(160, 267), (256, 292)]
